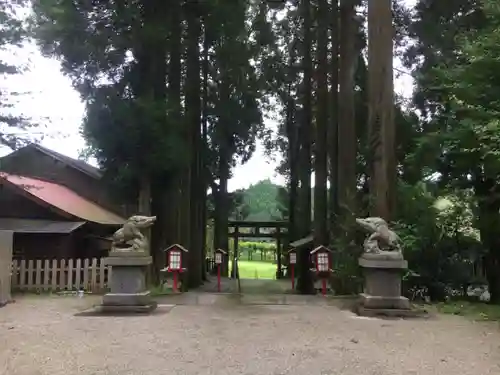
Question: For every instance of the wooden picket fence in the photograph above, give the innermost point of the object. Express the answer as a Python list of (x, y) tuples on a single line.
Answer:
[(91, 275)]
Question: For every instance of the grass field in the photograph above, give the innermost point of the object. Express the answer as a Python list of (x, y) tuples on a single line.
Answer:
[(252, 269)]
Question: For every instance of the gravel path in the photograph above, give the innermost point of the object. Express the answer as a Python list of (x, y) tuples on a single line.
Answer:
[(42, 336)]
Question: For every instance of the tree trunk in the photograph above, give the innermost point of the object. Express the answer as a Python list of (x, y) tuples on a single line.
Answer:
[(193, 111), (161, 231), (222, 210), (151, 56), (488, 197), (320, 165), (293, 152), (334, 113), (347, 141), (304, 282), (204, 154), (174, 193), (381, 126), (144, 201)]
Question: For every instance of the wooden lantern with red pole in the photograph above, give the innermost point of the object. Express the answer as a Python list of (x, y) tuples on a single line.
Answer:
[(323, 262), (292, 261), (219, 259), (175, 253)]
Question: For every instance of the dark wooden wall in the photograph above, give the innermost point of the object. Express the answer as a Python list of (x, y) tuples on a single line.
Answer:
[(14, 205), (78, 244)]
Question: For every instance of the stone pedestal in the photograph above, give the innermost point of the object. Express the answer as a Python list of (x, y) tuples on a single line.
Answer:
[(128, 291), (382, 289)]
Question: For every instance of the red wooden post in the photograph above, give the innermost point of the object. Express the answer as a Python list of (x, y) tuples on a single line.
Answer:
[(219, 256), (292, 257), (175, 288)]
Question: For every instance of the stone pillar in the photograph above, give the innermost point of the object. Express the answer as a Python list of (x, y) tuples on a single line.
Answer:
[(6, 245), (128, 289), (382, 289)]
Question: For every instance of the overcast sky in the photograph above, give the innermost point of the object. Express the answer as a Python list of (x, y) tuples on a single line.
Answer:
[(55, 103)]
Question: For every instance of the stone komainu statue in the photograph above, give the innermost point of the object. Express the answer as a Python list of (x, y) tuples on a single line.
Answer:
[(381, 238), (130, 237)]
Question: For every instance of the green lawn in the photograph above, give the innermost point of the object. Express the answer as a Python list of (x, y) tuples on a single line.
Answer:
[(252, 269)]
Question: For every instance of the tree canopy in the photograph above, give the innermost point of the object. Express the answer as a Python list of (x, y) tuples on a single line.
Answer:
[(14, 127)]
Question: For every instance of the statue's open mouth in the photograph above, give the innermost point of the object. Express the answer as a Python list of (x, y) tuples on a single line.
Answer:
[(365, 225), (145, 222)]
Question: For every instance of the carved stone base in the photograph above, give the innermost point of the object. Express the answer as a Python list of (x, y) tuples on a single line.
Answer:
[(391, 313), (127, 299), (128, 291), (127, 309), (380, 302), (382, 289)]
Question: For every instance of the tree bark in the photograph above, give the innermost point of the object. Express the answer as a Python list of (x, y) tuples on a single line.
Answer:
[(193, 117), (304, 282), (174, 194), (293, 152), (488, 197), (222, 210), (151, 57), (347, 141), (204, 155), (333, 156), (320, 160), (381, 126)]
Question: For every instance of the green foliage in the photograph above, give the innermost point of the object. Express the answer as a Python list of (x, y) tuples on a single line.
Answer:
[(475, 311), (257, 246), (455, 141), (98, 44), (472, 86), (447, 150), (102, 46), (261, 201), (14, 128), (258, 202), (260, 251), (439, 241)]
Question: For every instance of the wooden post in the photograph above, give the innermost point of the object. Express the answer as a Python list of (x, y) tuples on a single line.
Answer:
[(278, 252), (323, 286), (236, 238), (175, 287), (234, 268), (218, 277), (6, 246)]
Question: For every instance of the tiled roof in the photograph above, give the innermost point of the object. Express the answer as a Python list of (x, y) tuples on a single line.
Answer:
[(39, 226), (64, 199), (75, 163)]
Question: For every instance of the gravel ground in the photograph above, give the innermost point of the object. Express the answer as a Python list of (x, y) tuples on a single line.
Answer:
[(43, 336)]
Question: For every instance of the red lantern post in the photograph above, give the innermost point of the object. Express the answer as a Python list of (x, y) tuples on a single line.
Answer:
[(219, 258), (292, 258), (322, 259), (175, 254)]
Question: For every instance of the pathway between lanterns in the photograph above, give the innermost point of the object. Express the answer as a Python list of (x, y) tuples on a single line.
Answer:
[(44, 336)]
